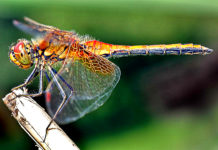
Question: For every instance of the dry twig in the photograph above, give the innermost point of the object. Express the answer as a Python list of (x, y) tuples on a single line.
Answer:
[(34, 120)]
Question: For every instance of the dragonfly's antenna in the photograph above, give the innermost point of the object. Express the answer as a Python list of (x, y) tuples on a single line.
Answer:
[(34, 120)]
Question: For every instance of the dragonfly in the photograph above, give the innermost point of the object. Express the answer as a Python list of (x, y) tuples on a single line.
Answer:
[(79, 73)]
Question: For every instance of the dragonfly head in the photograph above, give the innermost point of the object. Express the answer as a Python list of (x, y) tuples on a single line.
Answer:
[(20, 54)]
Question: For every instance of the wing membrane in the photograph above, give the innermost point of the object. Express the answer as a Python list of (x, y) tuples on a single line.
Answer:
[(45, 33), (87, 82), (34, 28)]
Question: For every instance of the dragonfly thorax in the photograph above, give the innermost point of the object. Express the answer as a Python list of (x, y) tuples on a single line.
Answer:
[(20, 54)]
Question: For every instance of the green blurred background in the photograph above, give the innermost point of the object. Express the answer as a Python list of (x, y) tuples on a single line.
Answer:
[(161, 102)]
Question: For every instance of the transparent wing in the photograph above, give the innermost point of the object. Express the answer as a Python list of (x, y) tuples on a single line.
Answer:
[(87, 82), (34, 28), (46, 33)]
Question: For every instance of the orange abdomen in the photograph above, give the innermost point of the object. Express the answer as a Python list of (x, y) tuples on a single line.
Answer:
[(109, 50)]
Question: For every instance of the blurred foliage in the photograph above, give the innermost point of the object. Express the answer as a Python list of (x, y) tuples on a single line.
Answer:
[(137, 115)]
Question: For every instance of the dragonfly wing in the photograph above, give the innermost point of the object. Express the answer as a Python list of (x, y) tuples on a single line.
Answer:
[(87, 82), (34, 28), (46, 34)]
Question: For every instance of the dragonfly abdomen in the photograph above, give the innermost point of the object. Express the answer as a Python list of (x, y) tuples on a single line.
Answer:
[(171, 49), (110, 50)]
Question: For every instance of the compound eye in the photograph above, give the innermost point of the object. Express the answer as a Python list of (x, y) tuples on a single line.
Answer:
[(20, 56), (18, 49)]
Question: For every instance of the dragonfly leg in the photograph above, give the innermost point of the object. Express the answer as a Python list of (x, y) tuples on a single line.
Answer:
[(54, 76), (33, 74), (40, 92), (28, 80)]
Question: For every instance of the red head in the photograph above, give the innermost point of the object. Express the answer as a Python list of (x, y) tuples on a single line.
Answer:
[(20, 54)]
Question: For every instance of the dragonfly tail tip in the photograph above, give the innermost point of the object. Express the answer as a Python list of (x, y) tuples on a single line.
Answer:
[(207, 50)]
